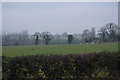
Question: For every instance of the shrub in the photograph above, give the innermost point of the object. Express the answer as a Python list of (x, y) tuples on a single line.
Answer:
[(55, 67)]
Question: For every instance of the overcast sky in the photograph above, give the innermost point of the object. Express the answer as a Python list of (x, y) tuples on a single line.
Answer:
[(0, 18), (71, 17)]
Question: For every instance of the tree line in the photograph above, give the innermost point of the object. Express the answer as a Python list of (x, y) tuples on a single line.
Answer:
[(107, 33)]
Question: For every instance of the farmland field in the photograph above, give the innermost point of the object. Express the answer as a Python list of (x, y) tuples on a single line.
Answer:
[(58, 49)]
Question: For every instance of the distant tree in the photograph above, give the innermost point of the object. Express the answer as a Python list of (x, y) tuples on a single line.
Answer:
[(70, 39), (92, 34), (36, 38), (85, 36), (109, 32), (118, 33), (5, 39), (102, 33), (0, 39), (23, 38), (47, 37), (64, 34)]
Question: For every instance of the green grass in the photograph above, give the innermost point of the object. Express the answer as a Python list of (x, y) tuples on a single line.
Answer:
[(58, 49), (0, 50)]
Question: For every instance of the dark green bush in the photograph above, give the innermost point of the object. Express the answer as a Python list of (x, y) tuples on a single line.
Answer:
[(57, 67)]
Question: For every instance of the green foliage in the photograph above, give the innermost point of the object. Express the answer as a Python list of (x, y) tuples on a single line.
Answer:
[(52, 67)]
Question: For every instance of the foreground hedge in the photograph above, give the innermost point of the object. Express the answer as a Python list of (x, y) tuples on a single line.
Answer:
[(55, 67)]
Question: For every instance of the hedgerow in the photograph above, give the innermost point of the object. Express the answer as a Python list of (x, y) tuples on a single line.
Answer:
[(57, 67)]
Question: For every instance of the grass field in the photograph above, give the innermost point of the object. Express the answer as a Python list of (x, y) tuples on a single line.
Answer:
[(58, 49)]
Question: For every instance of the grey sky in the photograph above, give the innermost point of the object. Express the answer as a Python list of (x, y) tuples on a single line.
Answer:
[(71, 17), (0, 17)]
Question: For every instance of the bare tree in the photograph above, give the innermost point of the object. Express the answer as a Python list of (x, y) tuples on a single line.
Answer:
[(36, 37), (47, 37), (109, 31), (102, 33)]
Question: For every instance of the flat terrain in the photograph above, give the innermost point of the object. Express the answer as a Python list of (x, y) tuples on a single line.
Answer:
[(58, 49)]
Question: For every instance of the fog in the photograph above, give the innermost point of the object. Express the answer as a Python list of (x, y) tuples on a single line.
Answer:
[(57, 17)]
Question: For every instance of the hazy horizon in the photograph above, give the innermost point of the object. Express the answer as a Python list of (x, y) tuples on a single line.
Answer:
[(57, 17)]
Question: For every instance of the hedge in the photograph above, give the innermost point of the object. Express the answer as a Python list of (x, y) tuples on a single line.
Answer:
[(58, 67)]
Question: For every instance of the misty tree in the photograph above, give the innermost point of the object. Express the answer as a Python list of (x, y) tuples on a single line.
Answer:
[(24, 37), (64, 34), (14, 39), (111, 29), (5, 39), (47, 37), (36, 38), (102, 33), (109, 32), (92, 34), (0, 39), (70, 39), (118, 33), (85, 36), (88, 35)]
